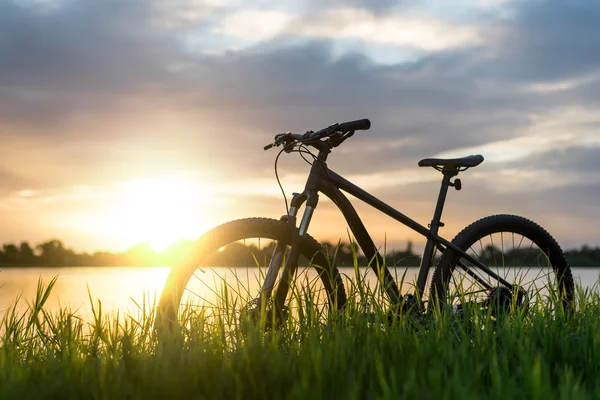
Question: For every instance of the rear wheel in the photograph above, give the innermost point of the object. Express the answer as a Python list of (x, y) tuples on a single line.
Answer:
[(520, 252), (234, 274)]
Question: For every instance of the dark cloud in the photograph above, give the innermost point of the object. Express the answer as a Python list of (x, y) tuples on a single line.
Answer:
[(549, 40), (87, 46), (298, 88), (376, 6), (90, 56), (81, 58), (578, 159)]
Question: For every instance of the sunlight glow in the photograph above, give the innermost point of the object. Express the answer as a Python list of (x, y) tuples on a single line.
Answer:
[(158, 211), (161, 210)]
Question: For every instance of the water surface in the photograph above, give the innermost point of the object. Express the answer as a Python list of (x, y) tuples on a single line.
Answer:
[(120, 288)]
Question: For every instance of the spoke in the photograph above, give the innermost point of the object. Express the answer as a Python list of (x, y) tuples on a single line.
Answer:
[(546, 286), (538, 274), (201, 298), (538, 277), (502, 254), (522, 237), (224, 281), (460, 284), (529, 250), (489, 282), (218, 296), (513, 247), (529, 268), (237, 279), (476, 277), (204, 283), (471, 278), (493, 252)]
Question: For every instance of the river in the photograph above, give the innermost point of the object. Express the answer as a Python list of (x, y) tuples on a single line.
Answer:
[(120, 288)]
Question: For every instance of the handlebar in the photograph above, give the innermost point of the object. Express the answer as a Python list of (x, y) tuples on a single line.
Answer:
[(358, 125), (340, 132)]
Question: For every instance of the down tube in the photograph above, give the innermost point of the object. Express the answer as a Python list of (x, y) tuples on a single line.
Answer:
[(362, 236)]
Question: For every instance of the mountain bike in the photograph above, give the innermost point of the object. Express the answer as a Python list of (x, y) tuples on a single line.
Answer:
[(497, 263)]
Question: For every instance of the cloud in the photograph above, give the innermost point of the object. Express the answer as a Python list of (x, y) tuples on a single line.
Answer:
[(105, 90), (355, 24), (80, 59), (371, 5), (396, 28), (583, 162), (255, 25), (546, 41)]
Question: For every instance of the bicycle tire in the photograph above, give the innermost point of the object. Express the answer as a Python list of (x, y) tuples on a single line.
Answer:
[(242, 230), (554, 257)]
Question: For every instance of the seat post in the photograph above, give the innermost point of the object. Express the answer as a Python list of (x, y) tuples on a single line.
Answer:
[(434, 227), (439, 207)]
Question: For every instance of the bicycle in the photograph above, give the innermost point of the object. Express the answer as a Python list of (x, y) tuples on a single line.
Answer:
[(472, 269)]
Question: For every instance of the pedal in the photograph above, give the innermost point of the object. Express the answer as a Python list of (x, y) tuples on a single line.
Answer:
[(410, 303)]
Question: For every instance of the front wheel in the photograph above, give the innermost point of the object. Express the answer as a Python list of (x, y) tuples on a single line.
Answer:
[(519, 252), (234, 273)]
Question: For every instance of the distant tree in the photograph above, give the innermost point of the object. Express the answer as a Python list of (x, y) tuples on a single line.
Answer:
[(52, 253), (106, 259), (585, 257), (11, 254), (26, 255), (404, 258), (85, 260)]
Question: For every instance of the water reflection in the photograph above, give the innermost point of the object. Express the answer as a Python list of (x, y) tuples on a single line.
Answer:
[(119, 288), (116, 287)]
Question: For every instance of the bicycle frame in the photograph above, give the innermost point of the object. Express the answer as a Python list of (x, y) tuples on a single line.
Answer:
[(322, 179)]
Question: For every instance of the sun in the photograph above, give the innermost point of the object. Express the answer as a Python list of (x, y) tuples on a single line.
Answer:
[(161, 211)]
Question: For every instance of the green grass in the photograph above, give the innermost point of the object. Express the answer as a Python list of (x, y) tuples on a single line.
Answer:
[(539, 355)]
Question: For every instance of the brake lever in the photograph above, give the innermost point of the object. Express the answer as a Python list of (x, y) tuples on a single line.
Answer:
[(279, 139), (339, 137)]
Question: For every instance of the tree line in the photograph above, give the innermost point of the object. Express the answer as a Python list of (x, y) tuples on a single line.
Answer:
[(53, 253)]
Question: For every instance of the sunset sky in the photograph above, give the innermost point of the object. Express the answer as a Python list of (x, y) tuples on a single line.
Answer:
[(131, 121)]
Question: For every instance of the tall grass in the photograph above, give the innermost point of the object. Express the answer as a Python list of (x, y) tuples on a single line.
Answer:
[(350, 354)]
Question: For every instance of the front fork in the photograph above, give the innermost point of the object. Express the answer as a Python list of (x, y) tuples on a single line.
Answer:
[(291, 263)]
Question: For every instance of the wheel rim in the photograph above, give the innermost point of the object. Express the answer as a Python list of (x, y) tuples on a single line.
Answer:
[(225, 291), (515, 258)]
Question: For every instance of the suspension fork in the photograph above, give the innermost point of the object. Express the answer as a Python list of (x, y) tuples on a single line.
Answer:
[(279, 252), (291, 263)]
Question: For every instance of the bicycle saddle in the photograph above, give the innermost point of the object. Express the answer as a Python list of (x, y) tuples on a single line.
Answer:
[(463, 162)]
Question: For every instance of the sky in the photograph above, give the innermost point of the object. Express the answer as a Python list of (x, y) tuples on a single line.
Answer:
[(130, 121)]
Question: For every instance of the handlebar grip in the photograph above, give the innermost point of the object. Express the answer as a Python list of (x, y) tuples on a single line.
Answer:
[(358, 125)]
